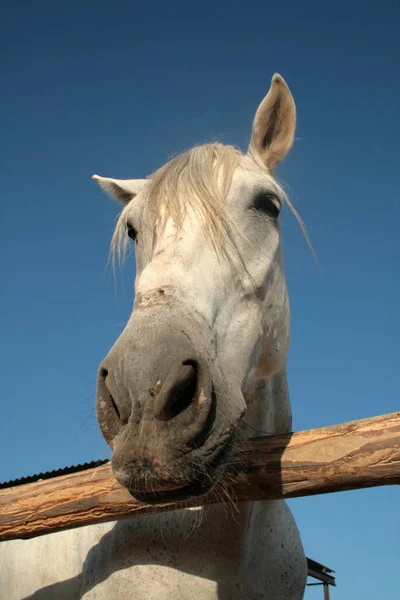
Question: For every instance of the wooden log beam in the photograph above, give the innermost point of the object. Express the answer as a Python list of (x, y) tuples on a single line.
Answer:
[(353, 455)]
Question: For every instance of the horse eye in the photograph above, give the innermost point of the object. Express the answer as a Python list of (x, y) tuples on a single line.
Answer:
[(267, 203), (132, 233)]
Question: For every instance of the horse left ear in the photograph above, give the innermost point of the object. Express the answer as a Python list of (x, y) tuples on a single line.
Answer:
[(274, 125), (122, 190)]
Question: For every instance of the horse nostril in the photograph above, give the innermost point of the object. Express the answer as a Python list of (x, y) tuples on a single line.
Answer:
[(108, 413), (104, 374), (115, 407), (191, 363), (182, 393)]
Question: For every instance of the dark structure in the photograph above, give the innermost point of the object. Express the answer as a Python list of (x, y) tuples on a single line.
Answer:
[(322, 573)]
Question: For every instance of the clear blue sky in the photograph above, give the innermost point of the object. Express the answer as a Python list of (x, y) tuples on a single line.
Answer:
[(115, 88)]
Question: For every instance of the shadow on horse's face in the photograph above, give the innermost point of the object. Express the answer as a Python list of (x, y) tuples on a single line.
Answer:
[(210, 308)]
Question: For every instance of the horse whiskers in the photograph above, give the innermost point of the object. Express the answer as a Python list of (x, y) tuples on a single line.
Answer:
[(224, 494)]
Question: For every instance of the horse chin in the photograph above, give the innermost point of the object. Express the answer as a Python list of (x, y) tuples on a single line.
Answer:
[(200, 484)]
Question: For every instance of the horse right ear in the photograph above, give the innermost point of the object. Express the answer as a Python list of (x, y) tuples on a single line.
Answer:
[(122, 190), (274, 125)]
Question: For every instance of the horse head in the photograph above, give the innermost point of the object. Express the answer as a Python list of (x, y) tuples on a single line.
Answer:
[(211, 307)]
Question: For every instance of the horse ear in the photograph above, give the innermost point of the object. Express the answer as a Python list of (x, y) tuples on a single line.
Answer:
[(274, 124), (122, 190)]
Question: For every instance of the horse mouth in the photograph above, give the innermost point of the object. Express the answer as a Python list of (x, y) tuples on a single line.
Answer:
[(199, 486), (183, 494)]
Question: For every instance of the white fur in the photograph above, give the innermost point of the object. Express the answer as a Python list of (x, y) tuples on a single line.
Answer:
[(226, 552)]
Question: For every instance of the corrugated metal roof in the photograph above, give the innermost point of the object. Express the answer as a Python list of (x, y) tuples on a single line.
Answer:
[(55, 473)]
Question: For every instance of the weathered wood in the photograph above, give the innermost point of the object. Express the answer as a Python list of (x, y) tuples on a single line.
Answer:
[(353, 455)]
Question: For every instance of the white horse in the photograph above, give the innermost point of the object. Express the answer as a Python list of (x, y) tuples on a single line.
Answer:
[(206, 343)]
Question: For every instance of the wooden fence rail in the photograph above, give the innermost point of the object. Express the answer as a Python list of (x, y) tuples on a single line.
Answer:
[(353, 455)]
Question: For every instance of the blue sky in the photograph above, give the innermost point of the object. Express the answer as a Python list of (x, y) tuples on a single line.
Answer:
[(115, 89)]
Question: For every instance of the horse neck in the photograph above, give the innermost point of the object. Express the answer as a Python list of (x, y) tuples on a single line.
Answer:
[(268, 401)]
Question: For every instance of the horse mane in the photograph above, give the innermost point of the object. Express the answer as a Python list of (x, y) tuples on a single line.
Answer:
[(197, 180)]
